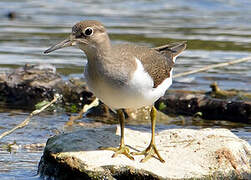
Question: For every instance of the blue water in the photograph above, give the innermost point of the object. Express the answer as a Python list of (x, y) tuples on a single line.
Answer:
[(207, 25)]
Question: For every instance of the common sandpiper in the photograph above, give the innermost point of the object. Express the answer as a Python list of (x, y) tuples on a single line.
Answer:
[(124, 75)]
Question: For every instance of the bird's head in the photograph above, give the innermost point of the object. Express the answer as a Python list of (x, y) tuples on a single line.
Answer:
[(87, 35)]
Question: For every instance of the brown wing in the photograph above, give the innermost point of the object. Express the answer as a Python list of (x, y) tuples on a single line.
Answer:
[(160, 63), (157, 62), (157, 65)]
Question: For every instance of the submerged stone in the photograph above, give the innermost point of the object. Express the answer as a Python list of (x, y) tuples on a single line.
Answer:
[(206, 153)]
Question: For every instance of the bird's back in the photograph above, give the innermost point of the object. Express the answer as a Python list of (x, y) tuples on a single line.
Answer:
[(157, 62)]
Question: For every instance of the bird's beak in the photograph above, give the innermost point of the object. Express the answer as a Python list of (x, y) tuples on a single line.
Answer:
[(63, 44), (71, 41)]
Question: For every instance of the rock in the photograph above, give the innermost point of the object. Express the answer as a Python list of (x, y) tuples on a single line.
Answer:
[(11, 15), (190, 103), (206, 153), (28, 85)]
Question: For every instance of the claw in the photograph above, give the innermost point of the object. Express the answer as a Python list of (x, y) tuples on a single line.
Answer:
[(149, 152), (120, 150)]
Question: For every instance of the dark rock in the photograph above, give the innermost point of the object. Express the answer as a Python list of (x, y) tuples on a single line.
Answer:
[(26, 86), (187, 103), (11, 15)]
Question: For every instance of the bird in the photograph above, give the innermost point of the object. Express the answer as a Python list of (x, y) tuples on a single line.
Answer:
[(124, 75)]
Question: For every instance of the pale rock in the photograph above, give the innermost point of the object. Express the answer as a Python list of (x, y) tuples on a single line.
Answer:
[(189, 153)]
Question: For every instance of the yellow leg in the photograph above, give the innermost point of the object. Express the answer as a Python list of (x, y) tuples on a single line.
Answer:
[(151, 149), (122, 149)]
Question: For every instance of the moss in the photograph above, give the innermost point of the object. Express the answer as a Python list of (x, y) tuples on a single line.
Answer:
[(72, 108), (162, 106)]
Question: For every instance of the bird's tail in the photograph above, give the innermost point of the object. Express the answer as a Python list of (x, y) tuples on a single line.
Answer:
[(173, 49)]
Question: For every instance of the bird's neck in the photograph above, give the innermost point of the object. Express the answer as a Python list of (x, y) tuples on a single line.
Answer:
[(98, 51)]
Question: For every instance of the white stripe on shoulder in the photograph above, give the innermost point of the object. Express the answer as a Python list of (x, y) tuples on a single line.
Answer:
[(140, 77)]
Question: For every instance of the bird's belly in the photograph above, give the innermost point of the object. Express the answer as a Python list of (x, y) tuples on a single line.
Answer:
[(129, 96)]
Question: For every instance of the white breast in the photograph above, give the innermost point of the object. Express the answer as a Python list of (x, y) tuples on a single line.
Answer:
[(138, 93)]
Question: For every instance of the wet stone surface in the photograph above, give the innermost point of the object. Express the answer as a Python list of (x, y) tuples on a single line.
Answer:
[(31, 84)]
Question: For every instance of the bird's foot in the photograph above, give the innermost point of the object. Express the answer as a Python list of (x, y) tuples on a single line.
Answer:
[(122, 149), (150, 151)]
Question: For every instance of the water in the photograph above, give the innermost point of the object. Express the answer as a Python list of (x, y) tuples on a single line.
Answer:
[(216, 31)]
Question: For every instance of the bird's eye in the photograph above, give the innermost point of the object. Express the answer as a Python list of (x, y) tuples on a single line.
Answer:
[(88, 31)]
